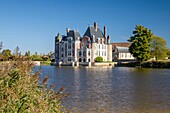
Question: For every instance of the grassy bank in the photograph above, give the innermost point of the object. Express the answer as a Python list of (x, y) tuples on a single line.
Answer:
[(156, 64), (21, 90), (48, 63)]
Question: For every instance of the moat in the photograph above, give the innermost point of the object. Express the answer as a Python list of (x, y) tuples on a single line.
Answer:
[(112, 89)]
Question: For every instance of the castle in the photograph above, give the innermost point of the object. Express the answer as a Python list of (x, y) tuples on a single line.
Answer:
[(74, 48)]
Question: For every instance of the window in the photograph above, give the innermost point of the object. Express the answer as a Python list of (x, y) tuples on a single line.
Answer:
[(84, 60), (84, 53), (89, 53), (62, 55), (79, 59), (79, 53), (105, 53), (66, 49), (69, 59), (69, 53), (89, 59), (69, 46)]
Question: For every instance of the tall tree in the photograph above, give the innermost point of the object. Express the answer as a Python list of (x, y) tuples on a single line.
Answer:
[(158, 47), (27, 53), (140, 47), (16, 51)]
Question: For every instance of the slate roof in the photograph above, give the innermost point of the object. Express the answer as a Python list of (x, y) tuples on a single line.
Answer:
[(121, 44), (91, 31), (64, 38), (74, 34), (122, 49)]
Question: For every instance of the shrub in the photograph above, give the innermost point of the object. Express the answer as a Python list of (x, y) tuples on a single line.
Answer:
[(99, 59), (21, 90)]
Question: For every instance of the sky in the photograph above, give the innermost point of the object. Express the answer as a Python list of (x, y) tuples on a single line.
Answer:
[(33, 24)]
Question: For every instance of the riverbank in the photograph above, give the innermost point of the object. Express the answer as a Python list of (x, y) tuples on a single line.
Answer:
[(156, 64), (146, 64)]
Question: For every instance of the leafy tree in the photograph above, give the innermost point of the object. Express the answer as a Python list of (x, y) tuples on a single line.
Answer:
[(99, 59), (36, 57), (6, 54), (158, 47), (27, 53), (168, 53), (140, 47)]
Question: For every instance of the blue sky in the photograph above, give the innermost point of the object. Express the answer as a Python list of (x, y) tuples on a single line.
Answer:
[(33, 24)]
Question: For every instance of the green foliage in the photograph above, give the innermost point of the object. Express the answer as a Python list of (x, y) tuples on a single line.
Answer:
[(28, 54), (156, 64), (140, 47), (99, 59), (36, 57), (158, 47), (6, 54), (168, 53), (22, 92)]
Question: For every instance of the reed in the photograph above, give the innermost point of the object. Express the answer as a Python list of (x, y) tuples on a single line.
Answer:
[(22, 92)]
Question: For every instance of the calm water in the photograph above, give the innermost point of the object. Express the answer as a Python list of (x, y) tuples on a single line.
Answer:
[(112, 90)]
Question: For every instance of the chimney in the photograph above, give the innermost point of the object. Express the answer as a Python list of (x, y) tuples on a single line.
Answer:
[(108, 39), (95, 26), (104, 32), (67, 30)]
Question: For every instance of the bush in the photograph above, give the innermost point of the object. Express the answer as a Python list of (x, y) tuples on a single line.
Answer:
[(21, 91), (99, 59)]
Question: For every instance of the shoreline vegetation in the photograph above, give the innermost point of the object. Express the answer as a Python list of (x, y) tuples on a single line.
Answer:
[(156, 64), (147, 64), (22, 91)]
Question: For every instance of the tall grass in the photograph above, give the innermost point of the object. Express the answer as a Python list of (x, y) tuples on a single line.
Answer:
[(21, 92)]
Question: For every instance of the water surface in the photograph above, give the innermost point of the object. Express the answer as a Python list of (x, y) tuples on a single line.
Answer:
[(112, 90)]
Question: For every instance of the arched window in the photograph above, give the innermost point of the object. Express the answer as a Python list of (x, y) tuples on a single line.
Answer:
[(79, 53), (84, 60), (89, 59), (79, 59), (89, 53), (84, 53)]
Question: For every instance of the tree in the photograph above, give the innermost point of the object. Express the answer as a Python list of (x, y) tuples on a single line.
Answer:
[(140, 47), (158, 47), (16, 51), (99, 59), (27, 53), (6, 54), (168, 53)]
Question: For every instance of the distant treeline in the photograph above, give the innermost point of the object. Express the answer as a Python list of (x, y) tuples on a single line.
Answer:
[(7, 55)]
